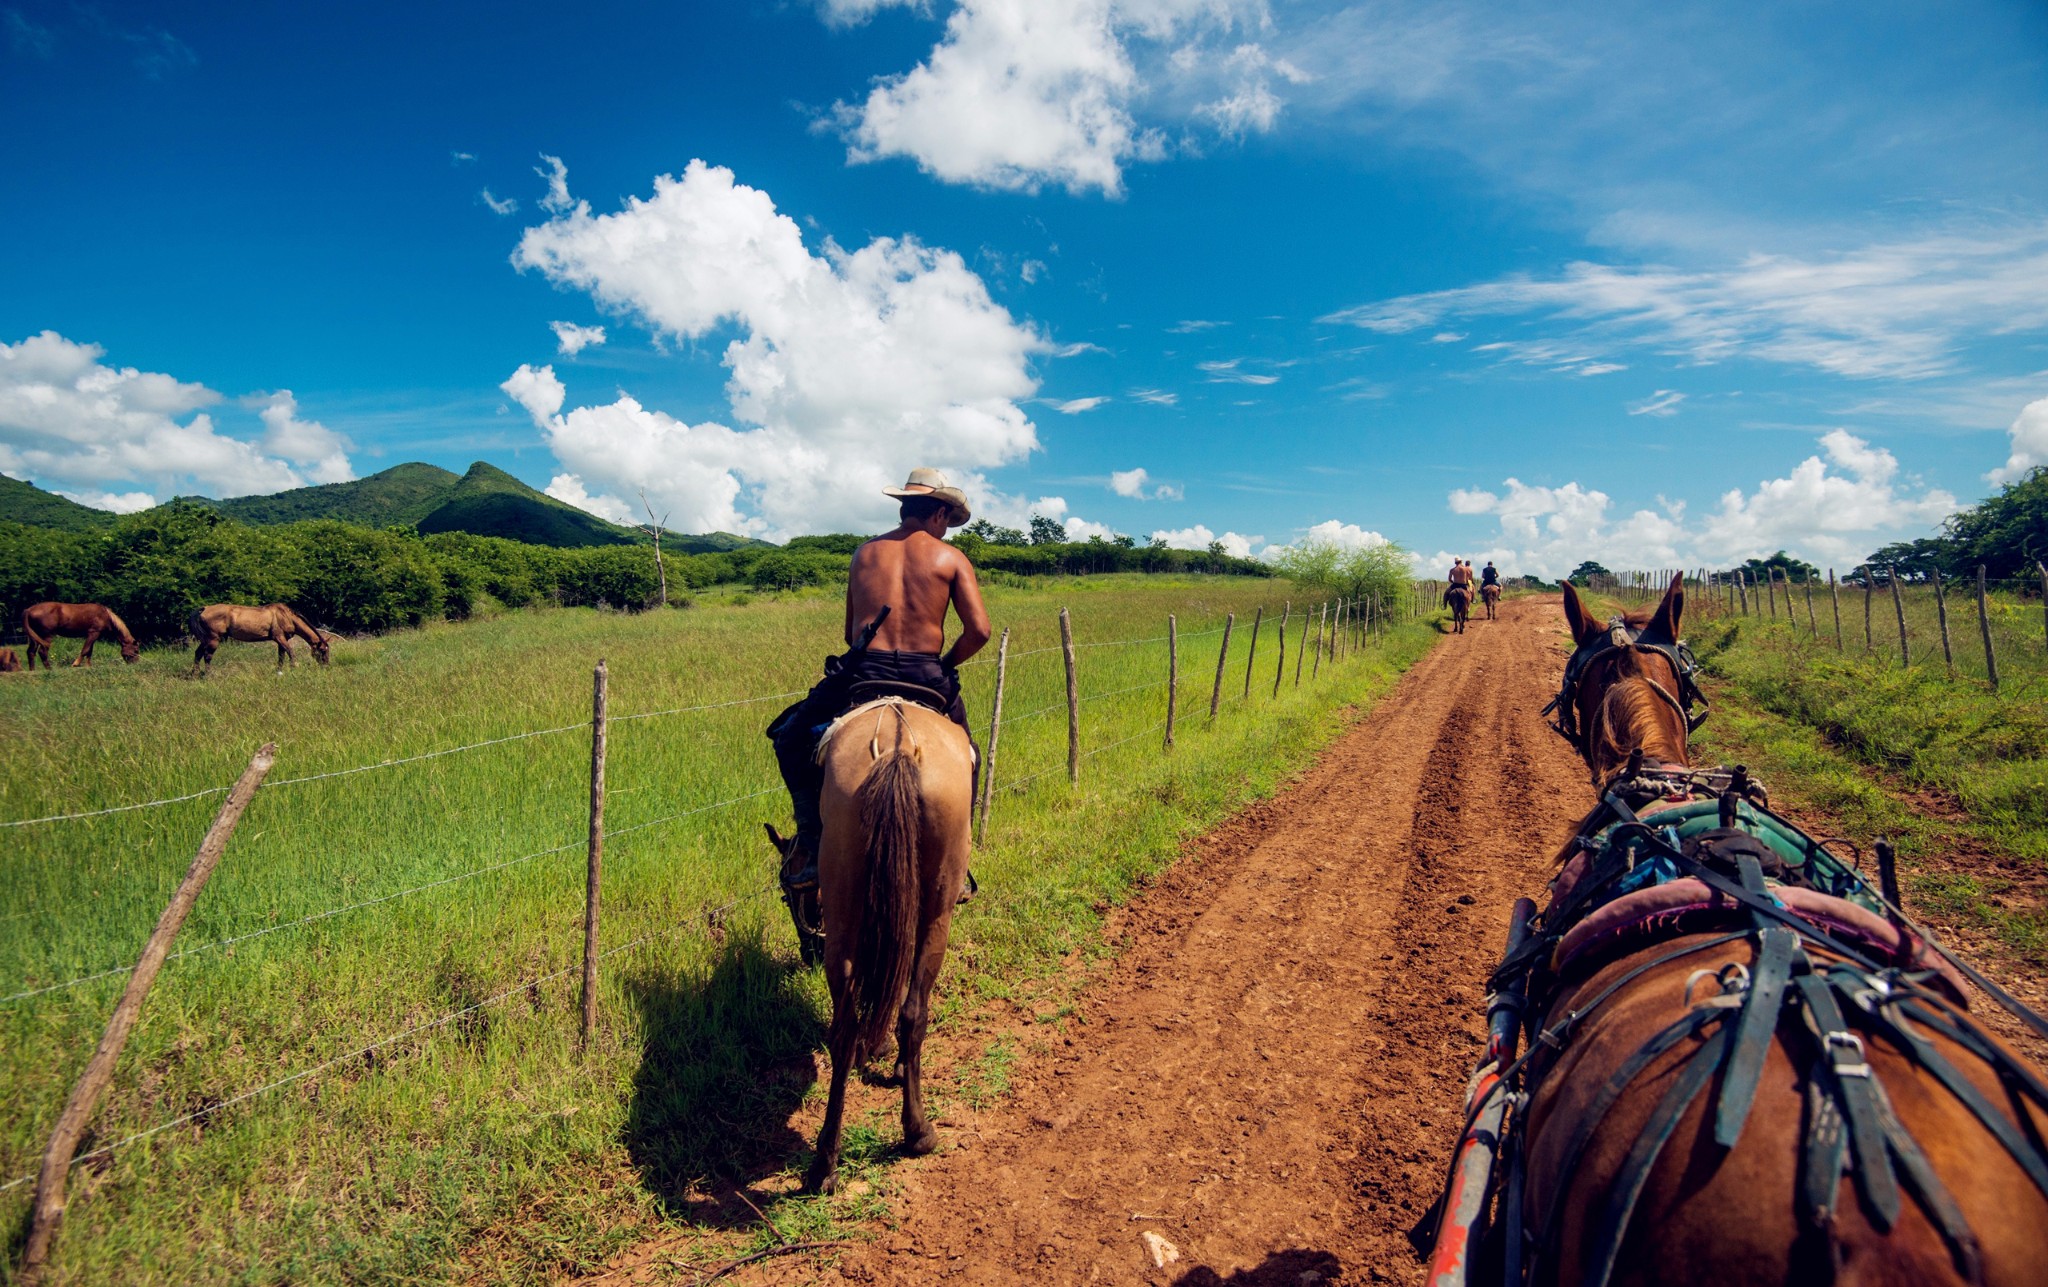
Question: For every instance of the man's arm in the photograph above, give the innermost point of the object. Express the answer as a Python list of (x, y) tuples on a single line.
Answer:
[(974, 625)]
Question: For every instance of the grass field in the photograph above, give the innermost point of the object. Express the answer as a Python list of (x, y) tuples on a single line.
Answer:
[(469, 1139)]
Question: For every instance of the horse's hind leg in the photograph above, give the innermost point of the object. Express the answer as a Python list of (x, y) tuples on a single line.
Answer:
[(823, 1176), (918, 1136)]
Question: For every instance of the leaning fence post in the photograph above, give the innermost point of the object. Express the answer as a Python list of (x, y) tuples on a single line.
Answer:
[(995, 731), (1941, 614), (1301, 649), (1280, 667), (1835, 597), (591, 882), (1899, 607), (1252, 654), (1073, 702), (1322, 615), (1222, 655), (1869, 587), (1984, 624), (1172, 675), (1771, 588), (1812, 630), (56, 1171)]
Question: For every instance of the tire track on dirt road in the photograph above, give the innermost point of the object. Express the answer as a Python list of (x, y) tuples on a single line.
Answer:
[(1270, 1074)]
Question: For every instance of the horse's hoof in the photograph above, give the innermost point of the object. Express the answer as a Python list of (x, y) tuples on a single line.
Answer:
[(821, 1180), (919, 1145)]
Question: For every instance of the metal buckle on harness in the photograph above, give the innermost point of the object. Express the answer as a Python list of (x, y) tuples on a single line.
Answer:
[(1834, 1041)]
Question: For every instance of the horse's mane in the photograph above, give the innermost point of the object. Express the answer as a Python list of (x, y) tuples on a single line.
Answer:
[(1631, 715), (120, 626)]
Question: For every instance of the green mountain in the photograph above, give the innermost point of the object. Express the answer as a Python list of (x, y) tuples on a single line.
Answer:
[(400, 494), (486, 501), (22, 502)]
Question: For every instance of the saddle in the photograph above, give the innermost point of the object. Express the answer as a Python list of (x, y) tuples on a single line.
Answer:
[(865, 691)]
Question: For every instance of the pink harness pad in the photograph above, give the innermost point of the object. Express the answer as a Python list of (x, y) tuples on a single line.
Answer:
[(1664, 910)]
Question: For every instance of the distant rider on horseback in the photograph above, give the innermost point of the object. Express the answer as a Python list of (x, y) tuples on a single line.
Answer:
[(898, 591), (1489, 575), (1461, 575)]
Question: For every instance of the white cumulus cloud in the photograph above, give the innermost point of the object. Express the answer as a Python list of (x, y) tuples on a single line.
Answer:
[(1134, 483), (1199, 537), (571, 339), (569, 489), (75, 424), (850, 367), (2029, 444)]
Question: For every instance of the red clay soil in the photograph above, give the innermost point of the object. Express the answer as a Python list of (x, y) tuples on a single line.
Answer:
[(1269, 1075)]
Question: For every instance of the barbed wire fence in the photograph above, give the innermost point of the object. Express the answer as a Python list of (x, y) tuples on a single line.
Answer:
[(1332, 631)]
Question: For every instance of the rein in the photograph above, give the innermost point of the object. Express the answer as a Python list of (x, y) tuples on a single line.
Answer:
[(1620, 638)]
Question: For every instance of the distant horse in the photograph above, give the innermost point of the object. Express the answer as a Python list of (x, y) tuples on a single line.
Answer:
[(1730, 1081), (1491, 595), (274, 622), (9, 663), (1459, 597), (43, 622), (891, 865)]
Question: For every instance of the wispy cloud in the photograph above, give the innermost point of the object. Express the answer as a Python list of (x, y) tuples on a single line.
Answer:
[(1193, 327), (1229, 373), (1155, 397), (1077, 348), (1897, 309), (1664, 402), (1075, 406), (505, 206)]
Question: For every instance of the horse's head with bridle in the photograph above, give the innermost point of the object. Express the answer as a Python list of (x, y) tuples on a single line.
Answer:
[(1628, 687)]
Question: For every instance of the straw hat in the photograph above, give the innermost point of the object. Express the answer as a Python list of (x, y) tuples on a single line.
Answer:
[(932, 483)]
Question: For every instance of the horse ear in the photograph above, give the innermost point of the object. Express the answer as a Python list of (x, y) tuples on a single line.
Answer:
[(1671, 611), (1583, 627), (774, 836)]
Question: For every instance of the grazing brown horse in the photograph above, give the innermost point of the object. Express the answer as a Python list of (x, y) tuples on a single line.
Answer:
[(9, 663), (1459, 597), (43, 622), (274, 622), (891, 865), (1745, 1065), (1491, 595)]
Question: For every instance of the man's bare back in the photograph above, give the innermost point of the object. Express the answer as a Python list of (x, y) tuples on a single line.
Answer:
[(918, 576)]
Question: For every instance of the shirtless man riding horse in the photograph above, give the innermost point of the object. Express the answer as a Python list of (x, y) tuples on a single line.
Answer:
[(898, 592)]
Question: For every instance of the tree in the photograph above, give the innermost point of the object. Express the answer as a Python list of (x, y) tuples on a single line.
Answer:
[(984, 530), (1216, 547), (654, 528), (1360, 572), (1783, 565), (1584, 573), (1123, 542), (1045, 531)]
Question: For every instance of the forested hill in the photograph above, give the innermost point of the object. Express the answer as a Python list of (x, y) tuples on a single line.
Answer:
[(486, 501)]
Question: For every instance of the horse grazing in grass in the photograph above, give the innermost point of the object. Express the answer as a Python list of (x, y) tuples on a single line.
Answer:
[(891, 865), (274, 622), (43, 622), (9, 663), (1745, 1065), (1459, 597), (1491, 595)]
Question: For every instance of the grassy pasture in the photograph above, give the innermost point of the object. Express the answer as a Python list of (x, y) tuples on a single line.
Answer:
[(473, 1140)]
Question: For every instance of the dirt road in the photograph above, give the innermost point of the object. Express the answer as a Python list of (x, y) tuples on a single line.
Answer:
[(1269, 1075)]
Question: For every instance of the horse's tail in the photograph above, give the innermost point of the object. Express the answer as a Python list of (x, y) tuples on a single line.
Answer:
[(37, 643), (891, 803)]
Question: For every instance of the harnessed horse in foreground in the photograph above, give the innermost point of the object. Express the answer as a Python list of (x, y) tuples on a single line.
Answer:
[(897, 807), (1459, 597), (1745, 1065), (275, 623), (43, 622), (1490, 594)]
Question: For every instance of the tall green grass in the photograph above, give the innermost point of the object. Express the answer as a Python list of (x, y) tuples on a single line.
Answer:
[(485, 1144)]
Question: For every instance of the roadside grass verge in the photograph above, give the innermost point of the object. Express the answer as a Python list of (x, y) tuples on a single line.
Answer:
[(478, 1143)]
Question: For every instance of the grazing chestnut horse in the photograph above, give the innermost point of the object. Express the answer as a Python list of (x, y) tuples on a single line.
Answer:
[(1460, 599), (1491, 594), (1745, 1065), (9, 663), (274, 622), (891, 865), (43, 622)]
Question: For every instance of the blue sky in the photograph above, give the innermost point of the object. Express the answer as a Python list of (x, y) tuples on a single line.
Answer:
[(1656, 285)]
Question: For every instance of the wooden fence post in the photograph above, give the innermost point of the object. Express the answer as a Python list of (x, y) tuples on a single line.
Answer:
[(995, 731), (1742, 590), (1301, 649), (1812, 630), (593, 867), (1172, 674), (1984, 624), (2039, 566), (1869, 587), (1941, 614), (1222, 654), (48, 1209), (1899, 607), (1280, 667), (1771, 589), (1073, 702), (1252, 654), (1322, 615), (1835, 597)]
